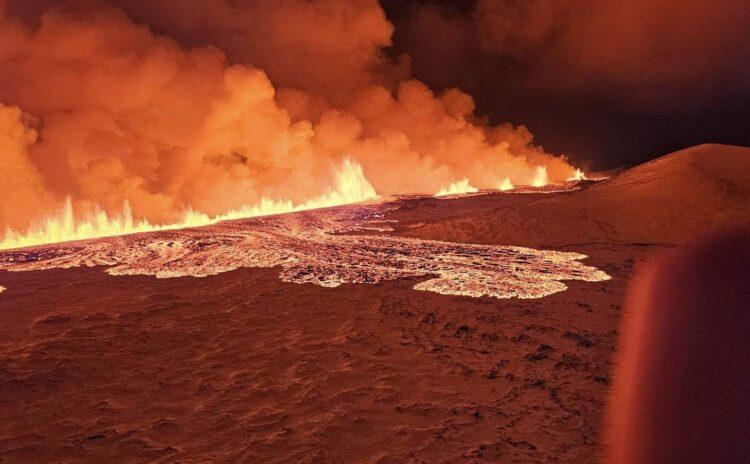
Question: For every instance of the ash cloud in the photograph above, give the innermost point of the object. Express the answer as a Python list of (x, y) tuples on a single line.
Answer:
[(612, 83), (657, 55), (213, 104)]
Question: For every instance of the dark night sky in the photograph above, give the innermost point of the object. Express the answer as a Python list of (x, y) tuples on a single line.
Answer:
[(698, 94)]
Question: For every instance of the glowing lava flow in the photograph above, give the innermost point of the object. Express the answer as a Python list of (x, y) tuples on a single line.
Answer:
[(351, 187), (322, 247), (457, 188)]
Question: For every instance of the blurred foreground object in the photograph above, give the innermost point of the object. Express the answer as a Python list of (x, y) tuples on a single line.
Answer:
[(682, 386)]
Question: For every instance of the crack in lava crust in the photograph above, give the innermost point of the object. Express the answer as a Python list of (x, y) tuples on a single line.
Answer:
[(323, 247)]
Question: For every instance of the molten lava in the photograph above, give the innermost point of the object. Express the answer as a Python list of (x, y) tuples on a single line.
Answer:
[(324, 247), (351, 186)]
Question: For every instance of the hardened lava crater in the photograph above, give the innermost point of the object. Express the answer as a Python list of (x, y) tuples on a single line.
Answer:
[(324, 247)]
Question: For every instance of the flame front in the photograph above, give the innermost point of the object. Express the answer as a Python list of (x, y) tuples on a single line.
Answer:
[(351, 186)]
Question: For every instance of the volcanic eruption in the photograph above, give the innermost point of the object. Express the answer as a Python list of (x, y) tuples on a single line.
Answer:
[(316, 231), (98, 111)]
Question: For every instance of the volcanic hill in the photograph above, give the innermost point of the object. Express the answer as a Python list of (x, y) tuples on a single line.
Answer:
[(666, 201)]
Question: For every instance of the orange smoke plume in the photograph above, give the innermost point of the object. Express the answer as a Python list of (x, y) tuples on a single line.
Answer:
[(99, 109)]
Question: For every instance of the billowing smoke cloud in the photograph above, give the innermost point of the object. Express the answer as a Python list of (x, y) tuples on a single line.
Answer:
[(181, 114), (664, 54), (24, 188), (328, 48)]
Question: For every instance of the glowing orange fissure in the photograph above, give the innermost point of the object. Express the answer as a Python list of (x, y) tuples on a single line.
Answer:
[(351, 186), (322, 247), (540, 179)]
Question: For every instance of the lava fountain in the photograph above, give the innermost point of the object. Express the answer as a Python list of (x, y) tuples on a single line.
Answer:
[(505, 185), (460, 187), (351, 186)]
